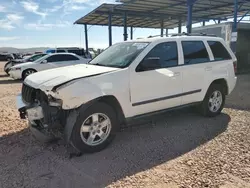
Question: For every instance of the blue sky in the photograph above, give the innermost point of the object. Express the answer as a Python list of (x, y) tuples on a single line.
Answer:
[(49, 23)]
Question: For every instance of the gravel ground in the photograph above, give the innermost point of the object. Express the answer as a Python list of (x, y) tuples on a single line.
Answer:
[(180, 149)]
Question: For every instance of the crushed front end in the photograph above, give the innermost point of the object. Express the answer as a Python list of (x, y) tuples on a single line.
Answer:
[(44, 113)]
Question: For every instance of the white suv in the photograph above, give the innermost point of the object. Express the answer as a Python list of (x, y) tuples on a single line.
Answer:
[(89, 103)]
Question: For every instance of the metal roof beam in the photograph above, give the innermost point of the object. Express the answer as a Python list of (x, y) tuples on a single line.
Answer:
[(214, 7), (242, 3), (139, 14), (244, 16), (145, 14), (169, 6)]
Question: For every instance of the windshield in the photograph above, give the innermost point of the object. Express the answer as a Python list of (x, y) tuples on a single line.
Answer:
[(35, 57), (119, 55), (39, 60)]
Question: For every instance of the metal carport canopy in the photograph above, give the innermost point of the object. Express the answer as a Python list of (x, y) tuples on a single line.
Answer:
[(163, 14), (151, 13)]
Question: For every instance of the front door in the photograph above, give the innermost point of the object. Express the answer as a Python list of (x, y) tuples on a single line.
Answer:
[(58, 60), (159, 85)]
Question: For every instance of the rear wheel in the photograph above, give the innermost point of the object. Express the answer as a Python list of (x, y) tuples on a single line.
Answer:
[(95, 128), (214, 101), (27, 73)]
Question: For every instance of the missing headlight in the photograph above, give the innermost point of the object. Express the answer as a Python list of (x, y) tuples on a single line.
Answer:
[(54, 102)]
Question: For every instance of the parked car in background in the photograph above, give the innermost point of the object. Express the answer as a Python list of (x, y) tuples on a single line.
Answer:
[(6, 57), (13, 62), (49, 61), (128, 81), (78, 51)]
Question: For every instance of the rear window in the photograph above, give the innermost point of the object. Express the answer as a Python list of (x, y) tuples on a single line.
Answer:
[(79, 52), (219, 51), (60, 51), (194, 52)]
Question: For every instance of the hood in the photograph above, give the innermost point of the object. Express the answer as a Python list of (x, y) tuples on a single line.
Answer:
[(47, 80), (22, 64), (18, 60)]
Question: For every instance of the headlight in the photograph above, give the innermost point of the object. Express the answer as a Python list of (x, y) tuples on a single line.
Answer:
[(13, 69), (53, 101)]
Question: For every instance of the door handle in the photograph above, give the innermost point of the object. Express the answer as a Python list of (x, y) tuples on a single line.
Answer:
[(208, 68), (177, 74)]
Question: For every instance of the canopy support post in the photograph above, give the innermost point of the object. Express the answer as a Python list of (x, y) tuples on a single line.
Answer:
[(110, 29), (125, 34), (162, 25), (131, 33), (179, 26), (86, 38)]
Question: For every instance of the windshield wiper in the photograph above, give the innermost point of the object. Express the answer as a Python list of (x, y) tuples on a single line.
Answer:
[(98, 64)]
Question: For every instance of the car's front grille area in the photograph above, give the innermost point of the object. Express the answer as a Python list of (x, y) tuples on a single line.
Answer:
[(28, 94)]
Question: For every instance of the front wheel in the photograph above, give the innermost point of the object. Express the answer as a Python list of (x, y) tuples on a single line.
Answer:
[(27, 73), (7, 67), (95, 128), (214, 101)]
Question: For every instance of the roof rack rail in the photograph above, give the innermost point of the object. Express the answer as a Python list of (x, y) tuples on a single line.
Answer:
[(193, 34), (152, 36), (184, 34)]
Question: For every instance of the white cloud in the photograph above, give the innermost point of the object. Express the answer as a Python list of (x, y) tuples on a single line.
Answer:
[(55, 8), (14, 18), (74, 7), (79, 1), (92, 2), (10, 21), (33, 7), (2, 8), (46, 26), (5, 24), (8, 38)]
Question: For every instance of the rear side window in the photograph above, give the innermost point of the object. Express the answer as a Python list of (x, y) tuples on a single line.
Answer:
[(194, 52), (60, 51), (70, 58), (54, 58), (79, 52), (219, 51)]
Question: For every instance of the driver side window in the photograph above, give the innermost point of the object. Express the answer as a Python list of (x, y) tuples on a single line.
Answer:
[(163, 55)]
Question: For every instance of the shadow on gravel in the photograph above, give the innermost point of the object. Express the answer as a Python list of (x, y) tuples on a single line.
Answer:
[(134, 150), (238, 107), (10, 81), (3, 76)]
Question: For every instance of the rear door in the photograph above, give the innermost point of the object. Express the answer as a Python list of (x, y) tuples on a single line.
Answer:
[(224, 64), (61, 60), (195, 67)]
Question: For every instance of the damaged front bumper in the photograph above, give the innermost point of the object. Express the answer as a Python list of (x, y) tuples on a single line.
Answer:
[(44, 121), (32, 112)]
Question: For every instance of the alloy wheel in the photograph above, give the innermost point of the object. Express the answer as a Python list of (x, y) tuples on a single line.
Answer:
[(95, 129)]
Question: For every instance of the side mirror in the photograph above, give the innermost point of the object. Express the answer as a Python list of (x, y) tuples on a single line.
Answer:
[(44, 61), (150, 63)]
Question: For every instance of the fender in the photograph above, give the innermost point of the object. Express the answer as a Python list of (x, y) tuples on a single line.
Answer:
[(86, 91)]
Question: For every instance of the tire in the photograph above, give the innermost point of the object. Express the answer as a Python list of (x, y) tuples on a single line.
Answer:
[(27, 73), (208, 103), (7, 69), (98, 111)]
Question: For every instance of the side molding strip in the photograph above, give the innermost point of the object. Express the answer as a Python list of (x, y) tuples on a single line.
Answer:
[(165, 98)]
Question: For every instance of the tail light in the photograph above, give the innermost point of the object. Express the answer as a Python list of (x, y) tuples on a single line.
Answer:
[(235, 66)]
